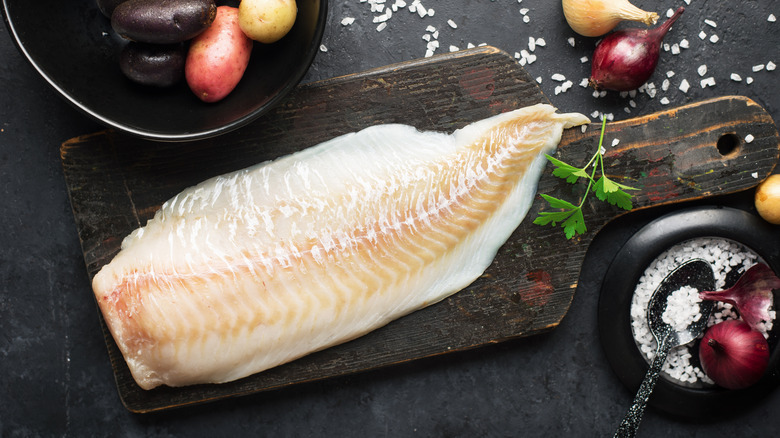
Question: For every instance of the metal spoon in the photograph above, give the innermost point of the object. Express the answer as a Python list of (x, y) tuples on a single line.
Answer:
[(698, 274)]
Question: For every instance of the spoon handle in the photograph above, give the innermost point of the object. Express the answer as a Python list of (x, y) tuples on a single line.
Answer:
[(630, 424)]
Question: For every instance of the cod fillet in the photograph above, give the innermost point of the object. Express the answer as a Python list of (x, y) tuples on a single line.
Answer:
[(258, 267)]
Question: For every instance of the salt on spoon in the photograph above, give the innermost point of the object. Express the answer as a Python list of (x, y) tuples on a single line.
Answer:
[(695, 273)]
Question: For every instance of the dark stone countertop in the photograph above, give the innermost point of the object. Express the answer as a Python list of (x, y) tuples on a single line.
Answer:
[(56, 377)]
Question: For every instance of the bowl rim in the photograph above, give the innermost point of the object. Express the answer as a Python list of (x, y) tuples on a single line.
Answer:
[(308, 58)]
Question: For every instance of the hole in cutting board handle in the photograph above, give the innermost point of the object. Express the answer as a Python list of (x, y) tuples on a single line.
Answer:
[(728, 143)]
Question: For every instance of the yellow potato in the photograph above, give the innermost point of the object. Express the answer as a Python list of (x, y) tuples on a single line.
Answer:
[(266, 21)]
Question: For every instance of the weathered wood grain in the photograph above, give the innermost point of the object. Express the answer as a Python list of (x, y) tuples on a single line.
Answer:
[(116, 183)]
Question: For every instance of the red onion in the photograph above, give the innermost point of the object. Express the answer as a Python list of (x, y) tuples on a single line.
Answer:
[(625, 59), (752, 294), (733, 355)]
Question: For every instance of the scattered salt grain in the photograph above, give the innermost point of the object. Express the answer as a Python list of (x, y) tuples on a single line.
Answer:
[(667, 47), (771, 18), (758, 67), (669, 13), (669, 74), (702, 70), (571, 41), (323, 48), (702, 35), (594, 114), (584, 59), (665, 84), (381, 26), (583, 128), (714, 39), (452, 24), (454, 48), (541, 42), (684, 43), (632, 103), (430, 29), (684, 86), (526, 19), (523, 11), (584, 83), (531, 43), (615, 142), (770, 66), (539, 79), (754, 175), (558, 77), (736, 78), (664, 101), (346, 21), (708, 82), (675, 49), (711, 23), (749, 80), (749, 138)]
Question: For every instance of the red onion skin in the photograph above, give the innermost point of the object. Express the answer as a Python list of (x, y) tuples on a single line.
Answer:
[(752, 294), (733, 355), (625, 59)]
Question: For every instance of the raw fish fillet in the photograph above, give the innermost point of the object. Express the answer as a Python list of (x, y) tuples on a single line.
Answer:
[(258, 267)]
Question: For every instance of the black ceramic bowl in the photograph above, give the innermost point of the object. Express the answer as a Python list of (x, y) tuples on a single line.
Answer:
[(630, 262), (72, 45)]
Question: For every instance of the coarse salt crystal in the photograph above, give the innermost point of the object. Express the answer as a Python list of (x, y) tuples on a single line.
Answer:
[(736, 78), (665, 84), (571, 41), (684, 43), (675, 49), (583, 128), (714, 39), (584, 83), (323, 48), (749, 138), (430, 29), (627, 109), (541, 42), (632, 103), (426, 36), (531, 58), (669, 74), (708, 82), (684, 86), (770, 66), (711, 23), (531, 44), (702, 35), (664, 100), (667, 47), (523, 11), (702, 70), (771, 18), (346, 21), (594, 114), (454, 48), (526, 19), (539, 79), (452, 24), (669, 13), (584, 59), (758, 67), (615, 142), (754, 175), (558, 77), (749, 80)]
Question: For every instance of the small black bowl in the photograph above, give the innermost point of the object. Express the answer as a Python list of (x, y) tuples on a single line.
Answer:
[(72, 45), (614, 307)]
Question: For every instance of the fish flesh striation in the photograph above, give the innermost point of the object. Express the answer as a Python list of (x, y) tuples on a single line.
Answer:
[(258, 267)]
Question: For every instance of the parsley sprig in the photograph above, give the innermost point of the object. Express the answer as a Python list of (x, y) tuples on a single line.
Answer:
[(570, 216)]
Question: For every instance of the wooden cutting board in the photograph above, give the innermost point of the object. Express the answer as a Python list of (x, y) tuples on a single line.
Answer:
[(117, 182)]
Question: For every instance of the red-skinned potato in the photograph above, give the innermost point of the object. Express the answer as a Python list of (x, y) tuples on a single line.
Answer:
[(218, 57)]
